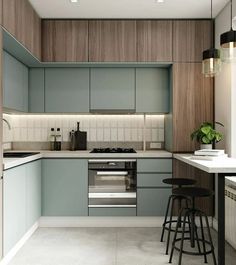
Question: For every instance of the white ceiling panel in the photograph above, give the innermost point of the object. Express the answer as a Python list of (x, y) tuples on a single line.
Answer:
[(127, 8)]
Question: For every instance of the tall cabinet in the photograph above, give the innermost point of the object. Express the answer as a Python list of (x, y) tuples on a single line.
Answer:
[(192, 97)]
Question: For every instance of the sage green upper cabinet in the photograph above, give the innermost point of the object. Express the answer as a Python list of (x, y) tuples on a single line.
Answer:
[(15, 84), (67, 90), (112, 89), (65, 187), (14, 199), (36, 90), (152, 90)]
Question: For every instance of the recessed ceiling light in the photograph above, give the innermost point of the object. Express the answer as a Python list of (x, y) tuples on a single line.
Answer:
[(74, 1), (160, 1)]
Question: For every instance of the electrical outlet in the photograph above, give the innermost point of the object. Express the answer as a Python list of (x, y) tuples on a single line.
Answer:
[(155, 145)]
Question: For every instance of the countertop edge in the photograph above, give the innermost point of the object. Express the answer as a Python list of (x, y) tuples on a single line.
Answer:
[(9, 163)]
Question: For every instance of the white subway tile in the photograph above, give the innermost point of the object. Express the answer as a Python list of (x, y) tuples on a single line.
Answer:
[(107, 134), (121, 135), (161, 135), (127, 134), (100, 135), (114, 136), (154, 135)]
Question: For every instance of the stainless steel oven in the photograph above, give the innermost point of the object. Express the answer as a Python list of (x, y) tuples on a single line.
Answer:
[(112, 183)]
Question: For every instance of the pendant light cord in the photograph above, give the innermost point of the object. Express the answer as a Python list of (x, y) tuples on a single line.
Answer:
[(231, 14), (212, 30)]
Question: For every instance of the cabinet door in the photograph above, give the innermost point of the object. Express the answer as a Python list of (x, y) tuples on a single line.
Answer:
[(15, 84), (112, 89), (112, 41), (65, 187), (67, 90), (20, 19), (154, 40), (190, 39), (152, 90), (33, 192), (152, 201), (192, 104), (36, 90), (65, 41), (14, 200)]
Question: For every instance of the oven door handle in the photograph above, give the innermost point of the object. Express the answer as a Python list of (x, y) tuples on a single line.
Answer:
[(130, 195), (112, 173)]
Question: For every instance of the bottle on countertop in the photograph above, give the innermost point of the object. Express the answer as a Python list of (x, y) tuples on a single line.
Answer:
[(58, 140), (72, 140), (52, 139)]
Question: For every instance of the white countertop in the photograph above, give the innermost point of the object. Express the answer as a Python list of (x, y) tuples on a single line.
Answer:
[(13, 162), (226, 165)]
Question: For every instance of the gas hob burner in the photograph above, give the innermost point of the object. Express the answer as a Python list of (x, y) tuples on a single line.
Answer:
[(113, 150)]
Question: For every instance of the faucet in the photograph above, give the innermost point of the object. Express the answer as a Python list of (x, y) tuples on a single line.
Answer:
[(8, 124)]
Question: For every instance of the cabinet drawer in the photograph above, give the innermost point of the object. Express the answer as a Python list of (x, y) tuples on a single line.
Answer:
[(112, 211), (152, 179), (154, 165), (152, 202)]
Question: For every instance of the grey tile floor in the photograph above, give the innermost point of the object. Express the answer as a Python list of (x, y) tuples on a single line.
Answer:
[(102, 246)]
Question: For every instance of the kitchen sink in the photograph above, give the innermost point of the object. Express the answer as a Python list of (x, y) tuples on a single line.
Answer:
[(18, 154)]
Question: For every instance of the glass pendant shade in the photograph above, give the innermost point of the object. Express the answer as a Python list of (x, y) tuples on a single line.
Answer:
[(228, 46), (211, 62)]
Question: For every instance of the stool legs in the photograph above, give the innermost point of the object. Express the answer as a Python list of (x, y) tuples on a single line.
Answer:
[(210, 238), (182, 240), (170, 223), (166, 216), (203, 238)]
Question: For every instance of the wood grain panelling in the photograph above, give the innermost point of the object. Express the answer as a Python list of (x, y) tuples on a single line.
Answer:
[(190, 39), (1, 12), (112, 40), (20, 19), (154, 40), (205, 180), (192, 104), (65, 41)]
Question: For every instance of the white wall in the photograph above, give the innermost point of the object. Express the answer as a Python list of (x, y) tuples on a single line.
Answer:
[(225, 85)]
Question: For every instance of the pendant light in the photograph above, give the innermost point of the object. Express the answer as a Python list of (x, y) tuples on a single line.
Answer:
[(211, 63), (228, 42)]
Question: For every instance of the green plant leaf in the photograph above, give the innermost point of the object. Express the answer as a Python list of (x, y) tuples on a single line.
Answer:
[(205, 140), (206, 129), (211, 135)]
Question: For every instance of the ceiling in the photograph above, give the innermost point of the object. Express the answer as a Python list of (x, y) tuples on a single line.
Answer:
[(127, 8)]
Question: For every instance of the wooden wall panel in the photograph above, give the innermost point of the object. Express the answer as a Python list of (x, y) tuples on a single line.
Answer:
[(192, 104), (65, 41), (154, 40), (204, 180), (112, 41), (190, 39)]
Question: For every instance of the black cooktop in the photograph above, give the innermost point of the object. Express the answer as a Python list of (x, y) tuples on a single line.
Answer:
[(113, 150)]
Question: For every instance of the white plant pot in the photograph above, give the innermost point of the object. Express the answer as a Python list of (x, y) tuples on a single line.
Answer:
[(206, 146)]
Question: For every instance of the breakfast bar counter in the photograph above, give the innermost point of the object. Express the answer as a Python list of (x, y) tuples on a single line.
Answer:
[(223, 168)]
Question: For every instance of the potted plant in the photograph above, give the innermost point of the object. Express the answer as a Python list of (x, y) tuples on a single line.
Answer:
[(206, 135)]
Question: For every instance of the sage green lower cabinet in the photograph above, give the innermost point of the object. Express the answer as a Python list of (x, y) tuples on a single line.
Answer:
[(112, 211), (33, 192), (67, 90), (152, 193), (22, 201), (152, 201), (65, 187), (14, 205)]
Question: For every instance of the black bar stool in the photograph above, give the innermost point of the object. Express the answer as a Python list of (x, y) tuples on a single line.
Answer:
[(167, 225), (190, 214)]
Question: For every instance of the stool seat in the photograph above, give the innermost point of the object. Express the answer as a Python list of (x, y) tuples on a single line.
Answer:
[(179, 181), (192, 192)]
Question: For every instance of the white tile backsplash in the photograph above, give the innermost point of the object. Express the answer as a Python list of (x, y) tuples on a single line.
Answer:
[(101, 128)]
